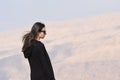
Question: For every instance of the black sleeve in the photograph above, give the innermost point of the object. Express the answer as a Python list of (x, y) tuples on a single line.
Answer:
[(51, 72), (43, 61)]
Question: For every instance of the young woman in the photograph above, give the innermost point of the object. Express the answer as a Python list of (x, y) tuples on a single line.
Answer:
[(35, 51)]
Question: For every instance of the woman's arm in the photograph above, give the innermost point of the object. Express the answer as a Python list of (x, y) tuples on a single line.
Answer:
[(39, 50)]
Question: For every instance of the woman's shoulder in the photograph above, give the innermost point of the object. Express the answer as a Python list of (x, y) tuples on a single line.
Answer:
[(37, 43)]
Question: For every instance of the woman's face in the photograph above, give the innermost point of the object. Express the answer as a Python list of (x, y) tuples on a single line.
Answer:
[(42, 34)]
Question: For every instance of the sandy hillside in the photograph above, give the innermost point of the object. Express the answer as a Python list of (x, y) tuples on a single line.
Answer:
[(80, 49)]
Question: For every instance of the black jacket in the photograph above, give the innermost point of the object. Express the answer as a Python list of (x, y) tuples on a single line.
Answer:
[(40, 64)]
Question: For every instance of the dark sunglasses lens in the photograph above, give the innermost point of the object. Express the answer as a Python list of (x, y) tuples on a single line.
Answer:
[(44, 32)]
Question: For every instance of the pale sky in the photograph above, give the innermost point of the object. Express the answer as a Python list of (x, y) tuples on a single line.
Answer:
[(18, 13)]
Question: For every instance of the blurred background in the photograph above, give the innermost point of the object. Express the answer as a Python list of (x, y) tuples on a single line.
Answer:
[(82, 37)]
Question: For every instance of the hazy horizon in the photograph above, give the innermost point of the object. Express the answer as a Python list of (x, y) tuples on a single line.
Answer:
[(19, 13)]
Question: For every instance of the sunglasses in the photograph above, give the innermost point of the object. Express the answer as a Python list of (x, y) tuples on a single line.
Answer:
[(43, 31)]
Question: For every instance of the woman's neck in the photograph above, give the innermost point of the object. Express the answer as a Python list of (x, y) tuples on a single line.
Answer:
[(38, 39)]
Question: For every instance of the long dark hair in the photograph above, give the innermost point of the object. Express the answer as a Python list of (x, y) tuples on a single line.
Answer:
[(28, 37)]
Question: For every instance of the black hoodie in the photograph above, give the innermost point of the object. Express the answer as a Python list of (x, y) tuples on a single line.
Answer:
[(39, 61)]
